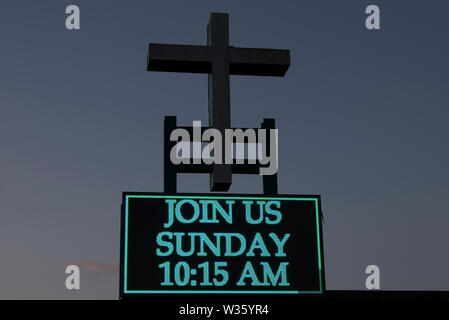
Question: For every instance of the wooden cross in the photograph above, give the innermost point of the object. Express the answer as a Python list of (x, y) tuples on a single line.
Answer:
[(218, 60)]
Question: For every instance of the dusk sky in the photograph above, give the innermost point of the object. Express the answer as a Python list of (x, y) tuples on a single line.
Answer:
[(362, 116)]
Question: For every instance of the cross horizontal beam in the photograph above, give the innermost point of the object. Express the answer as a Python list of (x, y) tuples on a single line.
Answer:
[(179, 58), (258, 62), (198, 59)]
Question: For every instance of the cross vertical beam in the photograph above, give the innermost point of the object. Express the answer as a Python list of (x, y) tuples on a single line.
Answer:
[(219, 96)]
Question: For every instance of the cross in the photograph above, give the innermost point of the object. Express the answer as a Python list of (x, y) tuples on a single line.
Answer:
[(218, 60)]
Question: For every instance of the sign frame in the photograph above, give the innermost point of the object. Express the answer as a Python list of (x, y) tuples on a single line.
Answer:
[(124, 234)]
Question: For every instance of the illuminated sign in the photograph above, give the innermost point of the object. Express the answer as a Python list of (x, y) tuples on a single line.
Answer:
[(220, 244)]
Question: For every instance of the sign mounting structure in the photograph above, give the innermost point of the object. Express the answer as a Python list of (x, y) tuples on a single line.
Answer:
[(218, 60)]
